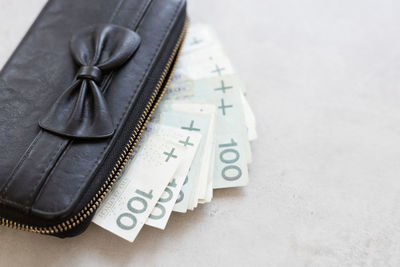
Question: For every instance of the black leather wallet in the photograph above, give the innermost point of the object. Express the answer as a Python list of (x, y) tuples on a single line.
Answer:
[(76, 95)]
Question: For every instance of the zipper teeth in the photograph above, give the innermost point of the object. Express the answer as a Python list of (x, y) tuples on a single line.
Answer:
[(93, 204)]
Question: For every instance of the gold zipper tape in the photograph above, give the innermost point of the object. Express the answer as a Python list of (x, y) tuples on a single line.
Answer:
[(93, 204)]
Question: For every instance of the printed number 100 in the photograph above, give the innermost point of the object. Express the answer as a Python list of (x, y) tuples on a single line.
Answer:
[(128, 221), (229, 155)]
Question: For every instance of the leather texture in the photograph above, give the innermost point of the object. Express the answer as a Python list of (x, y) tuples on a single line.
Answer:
[(81, 111), (88, 95)]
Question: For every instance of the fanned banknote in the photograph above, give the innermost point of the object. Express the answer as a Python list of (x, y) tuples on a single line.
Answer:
[(128, 206), (190, 140), (198, 140)]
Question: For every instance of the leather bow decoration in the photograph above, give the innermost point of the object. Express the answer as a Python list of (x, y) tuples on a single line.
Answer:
[(81, 111)]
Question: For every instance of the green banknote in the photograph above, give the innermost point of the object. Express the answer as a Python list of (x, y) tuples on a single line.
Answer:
[(189, 139), (127, 207)]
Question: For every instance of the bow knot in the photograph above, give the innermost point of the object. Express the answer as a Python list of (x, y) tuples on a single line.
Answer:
[(90, 72), (81, 111)]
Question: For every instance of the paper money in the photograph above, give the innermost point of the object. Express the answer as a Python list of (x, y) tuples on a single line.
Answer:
[(191, 122), (198, 37), (250, 119), (162, 210), (198, 140), (127, 207), (206, 161), (203, 57), (232, 146)]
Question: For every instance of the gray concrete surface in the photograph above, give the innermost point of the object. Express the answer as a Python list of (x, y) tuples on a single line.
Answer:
[(323, 79)]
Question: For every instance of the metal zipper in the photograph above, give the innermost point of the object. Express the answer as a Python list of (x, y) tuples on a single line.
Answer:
[(93, 204)]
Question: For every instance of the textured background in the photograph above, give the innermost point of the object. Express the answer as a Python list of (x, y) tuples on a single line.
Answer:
[(323, 79)]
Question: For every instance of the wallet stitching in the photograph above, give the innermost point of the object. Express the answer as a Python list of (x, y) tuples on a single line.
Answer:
[(168, 28), (33, 189), (22, 160), (148, 66), (58, 149), (139, 14), (140, 82), (68, 145), (116, 9)]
